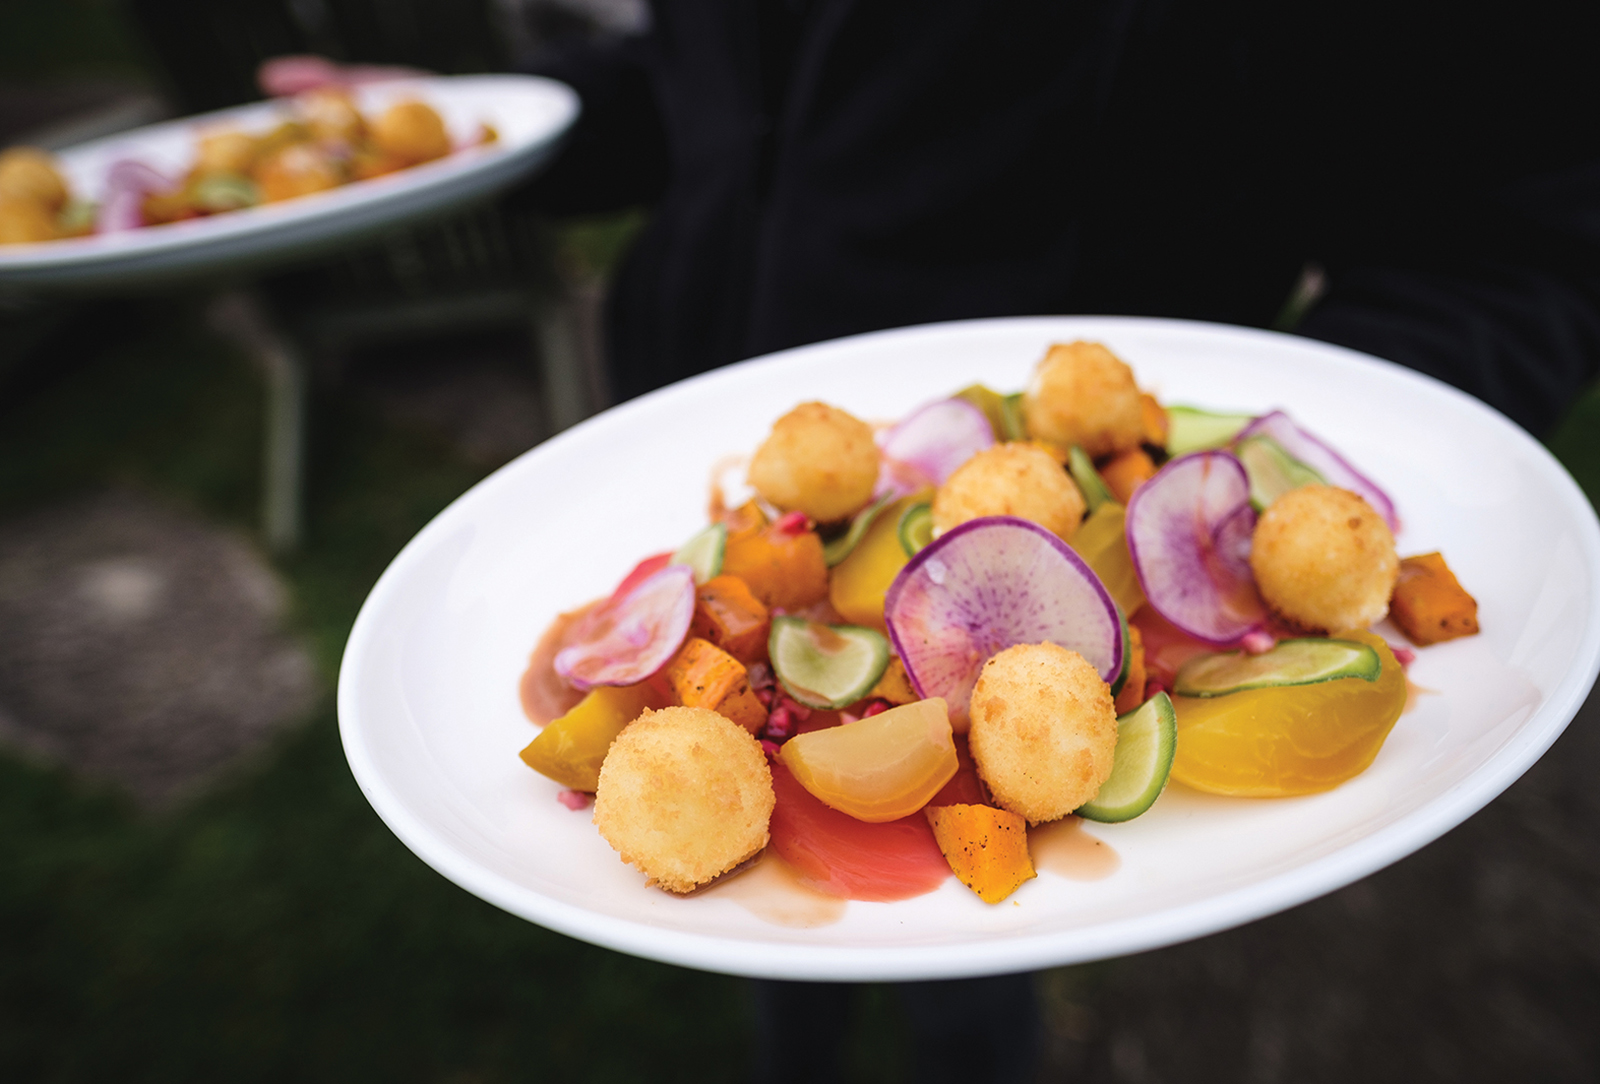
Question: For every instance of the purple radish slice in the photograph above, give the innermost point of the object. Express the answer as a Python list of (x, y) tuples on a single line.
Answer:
[(987, 585), (937, 438), (1320, 457), (629, 638), (1189, 532), (128, 181)]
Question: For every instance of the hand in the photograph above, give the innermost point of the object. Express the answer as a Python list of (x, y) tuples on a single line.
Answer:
[(282, 76)]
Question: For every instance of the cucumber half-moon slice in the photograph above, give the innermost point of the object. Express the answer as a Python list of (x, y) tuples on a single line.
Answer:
[(1292, 662), (703, 552), (826, 666), (1147, 738)]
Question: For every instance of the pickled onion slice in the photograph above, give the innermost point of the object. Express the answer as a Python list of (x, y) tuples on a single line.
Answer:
[(985, 586), (1320, 457), (629, 638), (1189, 533), (934, 440)]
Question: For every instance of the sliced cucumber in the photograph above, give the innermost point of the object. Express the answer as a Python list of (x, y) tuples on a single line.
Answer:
[(916, 528), (1273, 471), (1147, 738), (1292, 662), (1191, 430), (990, 402), (703, 552), (837, 550), (1095, 490), (826, 666), (1127, 652), (1012, 425)]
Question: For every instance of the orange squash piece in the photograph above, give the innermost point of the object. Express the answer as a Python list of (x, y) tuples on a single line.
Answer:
[(1132, 694), (987, 848), (1154, 419), (727, 614), (1429, 604), (1127, 472), (702, 675), (782, 568)]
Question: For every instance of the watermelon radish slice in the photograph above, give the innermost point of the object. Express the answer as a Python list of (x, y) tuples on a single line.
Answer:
[(1305, 448), (631, 637), (987, 585), (1189, 533), (938, 438)]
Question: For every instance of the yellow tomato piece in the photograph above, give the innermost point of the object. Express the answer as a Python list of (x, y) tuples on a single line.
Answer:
[(571, 749), (1102, 542), (1289, 739), (857, 586), (880, 768)]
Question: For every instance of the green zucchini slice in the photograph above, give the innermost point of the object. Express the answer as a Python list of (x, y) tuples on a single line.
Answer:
[(839, 548), (1190, 429), (1095, 490)]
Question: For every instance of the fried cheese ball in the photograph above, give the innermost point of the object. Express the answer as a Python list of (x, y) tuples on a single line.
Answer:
[(225, 151), (1013, 479), (296, 170), (817, 459), (1044, 730), (684, 795), (411, 132), (331, 116), (1081, 393), (25, 222), (1324, 559), (29, 175)]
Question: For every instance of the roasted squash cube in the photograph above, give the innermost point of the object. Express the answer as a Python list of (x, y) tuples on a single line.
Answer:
[(728, 615), (703, 675), (1429, 604), (987, 848)]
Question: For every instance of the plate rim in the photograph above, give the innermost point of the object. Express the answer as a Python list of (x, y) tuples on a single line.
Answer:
[(1185, 921), (57, 263)]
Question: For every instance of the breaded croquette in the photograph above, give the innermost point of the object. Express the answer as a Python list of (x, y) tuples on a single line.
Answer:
[(1082, 394), (1044, 730), (1324, 559), (819, 460), (684, 795), (1015, 479)]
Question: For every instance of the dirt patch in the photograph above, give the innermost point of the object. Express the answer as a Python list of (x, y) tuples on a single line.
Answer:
[(141, 645)]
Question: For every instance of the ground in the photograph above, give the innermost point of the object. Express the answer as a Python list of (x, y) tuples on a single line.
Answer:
[(192, 887)]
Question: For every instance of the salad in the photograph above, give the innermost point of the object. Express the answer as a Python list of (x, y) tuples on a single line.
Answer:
[(916, 642), (325, 142)]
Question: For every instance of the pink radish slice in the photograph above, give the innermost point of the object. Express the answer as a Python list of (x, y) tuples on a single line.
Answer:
[(628, 639), (937, 438), (987, 585), (1189, 533), (1317, 455), (122, 205)]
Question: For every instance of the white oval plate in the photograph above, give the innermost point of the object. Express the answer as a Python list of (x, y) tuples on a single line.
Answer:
[(530, 115), (431, 723)]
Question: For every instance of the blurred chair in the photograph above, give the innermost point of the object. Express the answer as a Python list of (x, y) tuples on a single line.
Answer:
[(491, 264)]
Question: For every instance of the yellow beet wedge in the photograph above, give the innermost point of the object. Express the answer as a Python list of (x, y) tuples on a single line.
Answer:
[(880, 768), (571, 749)]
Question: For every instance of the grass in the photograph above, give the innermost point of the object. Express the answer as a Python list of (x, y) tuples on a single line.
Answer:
[(273, 928)]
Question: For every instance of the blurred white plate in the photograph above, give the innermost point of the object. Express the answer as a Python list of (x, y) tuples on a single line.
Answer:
[(431, 723), (530, 114)]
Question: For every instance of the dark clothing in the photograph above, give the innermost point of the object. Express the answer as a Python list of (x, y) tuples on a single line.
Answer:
[(822, 168)]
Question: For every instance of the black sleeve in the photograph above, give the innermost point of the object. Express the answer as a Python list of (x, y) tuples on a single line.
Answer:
[(616, 155), (1518, 325)]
